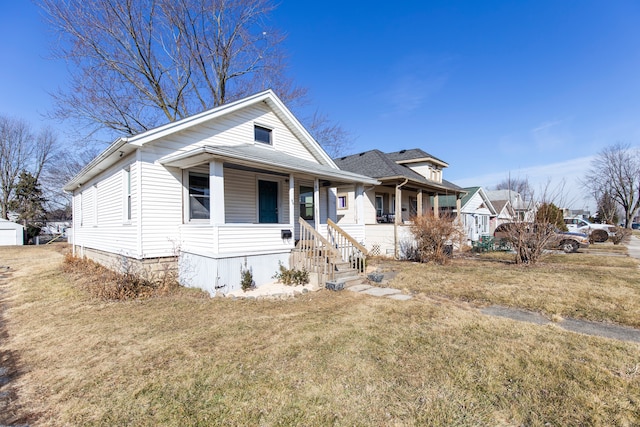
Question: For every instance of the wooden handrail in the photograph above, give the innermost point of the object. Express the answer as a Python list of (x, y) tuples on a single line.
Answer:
[(318, 236), (346, 235)]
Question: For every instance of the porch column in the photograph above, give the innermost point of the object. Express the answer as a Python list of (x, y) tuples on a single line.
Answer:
[(458, 205), (419, 211), (216, 192), (316, 203), (359, 213), (398, 210), (436, 208), (292, 203), (332, 208)]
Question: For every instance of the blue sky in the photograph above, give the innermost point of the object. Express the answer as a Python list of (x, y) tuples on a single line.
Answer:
[(534, 88)]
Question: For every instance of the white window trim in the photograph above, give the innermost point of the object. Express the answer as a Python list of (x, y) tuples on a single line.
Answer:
[(127, 196), (272, 135), (346, 201), (186, 199), (95, 205)]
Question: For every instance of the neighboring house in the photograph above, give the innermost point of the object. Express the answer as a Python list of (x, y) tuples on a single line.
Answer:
[(411, 183), (504, 214), (11, 234), (223, 189), (523, 210), (476, 212)]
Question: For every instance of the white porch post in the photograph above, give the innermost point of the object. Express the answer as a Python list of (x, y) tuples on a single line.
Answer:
[(419, 207), (436, 208), (359, 214), (398, 210), (216, 192), (316, 203), (292, 203), (332, 207)]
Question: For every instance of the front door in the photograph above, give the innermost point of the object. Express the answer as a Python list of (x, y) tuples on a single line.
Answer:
[(267, 202)]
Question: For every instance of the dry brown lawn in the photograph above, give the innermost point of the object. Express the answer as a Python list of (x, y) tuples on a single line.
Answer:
[(581, 286), (324, 358)]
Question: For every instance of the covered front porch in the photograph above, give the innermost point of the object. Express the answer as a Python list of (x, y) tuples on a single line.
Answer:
[(241, 210)]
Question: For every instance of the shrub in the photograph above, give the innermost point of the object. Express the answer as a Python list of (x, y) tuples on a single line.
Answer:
[(292, 276), (126, 284), (528, 240), (247, 280), (434, 237), (620, 233)]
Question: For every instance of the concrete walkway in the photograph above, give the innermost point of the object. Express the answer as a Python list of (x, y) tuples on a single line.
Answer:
[(379, 292), (600, 329), (607, 330)]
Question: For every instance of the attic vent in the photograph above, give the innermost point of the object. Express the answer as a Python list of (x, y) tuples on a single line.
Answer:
[(343, 158), (402, 151), (361, 154)]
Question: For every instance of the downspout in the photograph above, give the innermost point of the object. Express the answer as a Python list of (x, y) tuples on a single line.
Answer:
[(396, 219)]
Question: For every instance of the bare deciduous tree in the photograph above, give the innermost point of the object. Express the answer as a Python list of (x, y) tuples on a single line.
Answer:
[(334, 138), (21, 151), (519, 185), (141, 63), (616, 171)]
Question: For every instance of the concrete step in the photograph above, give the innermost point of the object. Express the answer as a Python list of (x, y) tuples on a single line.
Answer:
[(342, 274)]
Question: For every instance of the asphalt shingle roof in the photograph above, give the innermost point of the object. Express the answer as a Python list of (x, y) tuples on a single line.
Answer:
[(411, 154), (376, 164)]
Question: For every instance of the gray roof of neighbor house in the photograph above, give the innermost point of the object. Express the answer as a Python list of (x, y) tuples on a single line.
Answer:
[(376, 164), (414, 154)]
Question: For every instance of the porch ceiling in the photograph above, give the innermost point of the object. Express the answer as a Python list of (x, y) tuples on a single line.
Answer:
[(265, 157)]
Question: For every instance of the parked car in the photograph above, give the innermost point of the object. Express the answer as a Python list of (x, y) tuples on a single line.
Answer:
[(598, 232), (635, 225), (566, 241)]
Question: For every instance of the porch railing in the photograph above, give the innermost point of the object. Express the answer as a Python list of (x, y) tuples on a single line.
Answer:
[(315, 254), (350, 250)]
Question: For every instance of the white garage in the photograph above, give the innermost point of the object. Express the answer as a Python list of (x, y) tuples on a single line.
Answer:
[(11, 233)]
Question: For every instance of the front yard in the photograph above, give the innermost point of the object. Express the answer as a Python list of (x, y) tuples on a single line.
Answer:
[(328, 358)]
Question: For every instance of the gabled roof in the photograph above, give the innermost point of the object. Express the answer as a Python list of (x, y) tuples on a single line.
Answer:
[(517, 202), (126, 145), (248, 155), (376, 164), (450, 201), (415, 155)]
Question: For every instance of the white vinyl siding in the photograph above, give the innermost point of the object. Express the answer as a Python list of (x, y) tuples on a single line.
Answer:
[(98, 206), (241, 196), (237, 129)]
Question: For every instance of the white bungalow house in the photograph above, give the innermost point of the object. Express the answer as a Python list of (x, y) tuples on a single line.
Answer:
[(476, 212), (523, 210), (411, 177), (224, 189)]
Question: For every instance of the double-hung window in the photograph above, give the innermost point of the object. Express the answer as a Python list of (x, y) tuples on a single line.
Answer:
[(199, 196)]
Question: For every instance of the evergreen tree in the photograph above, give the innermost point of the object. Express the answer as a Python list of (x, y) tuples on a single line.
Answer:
[(28, 201), (549, 213)]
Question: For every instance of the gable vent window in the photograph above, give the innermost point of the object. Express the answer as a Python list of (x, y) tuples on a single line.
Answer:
[(262, 134)]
